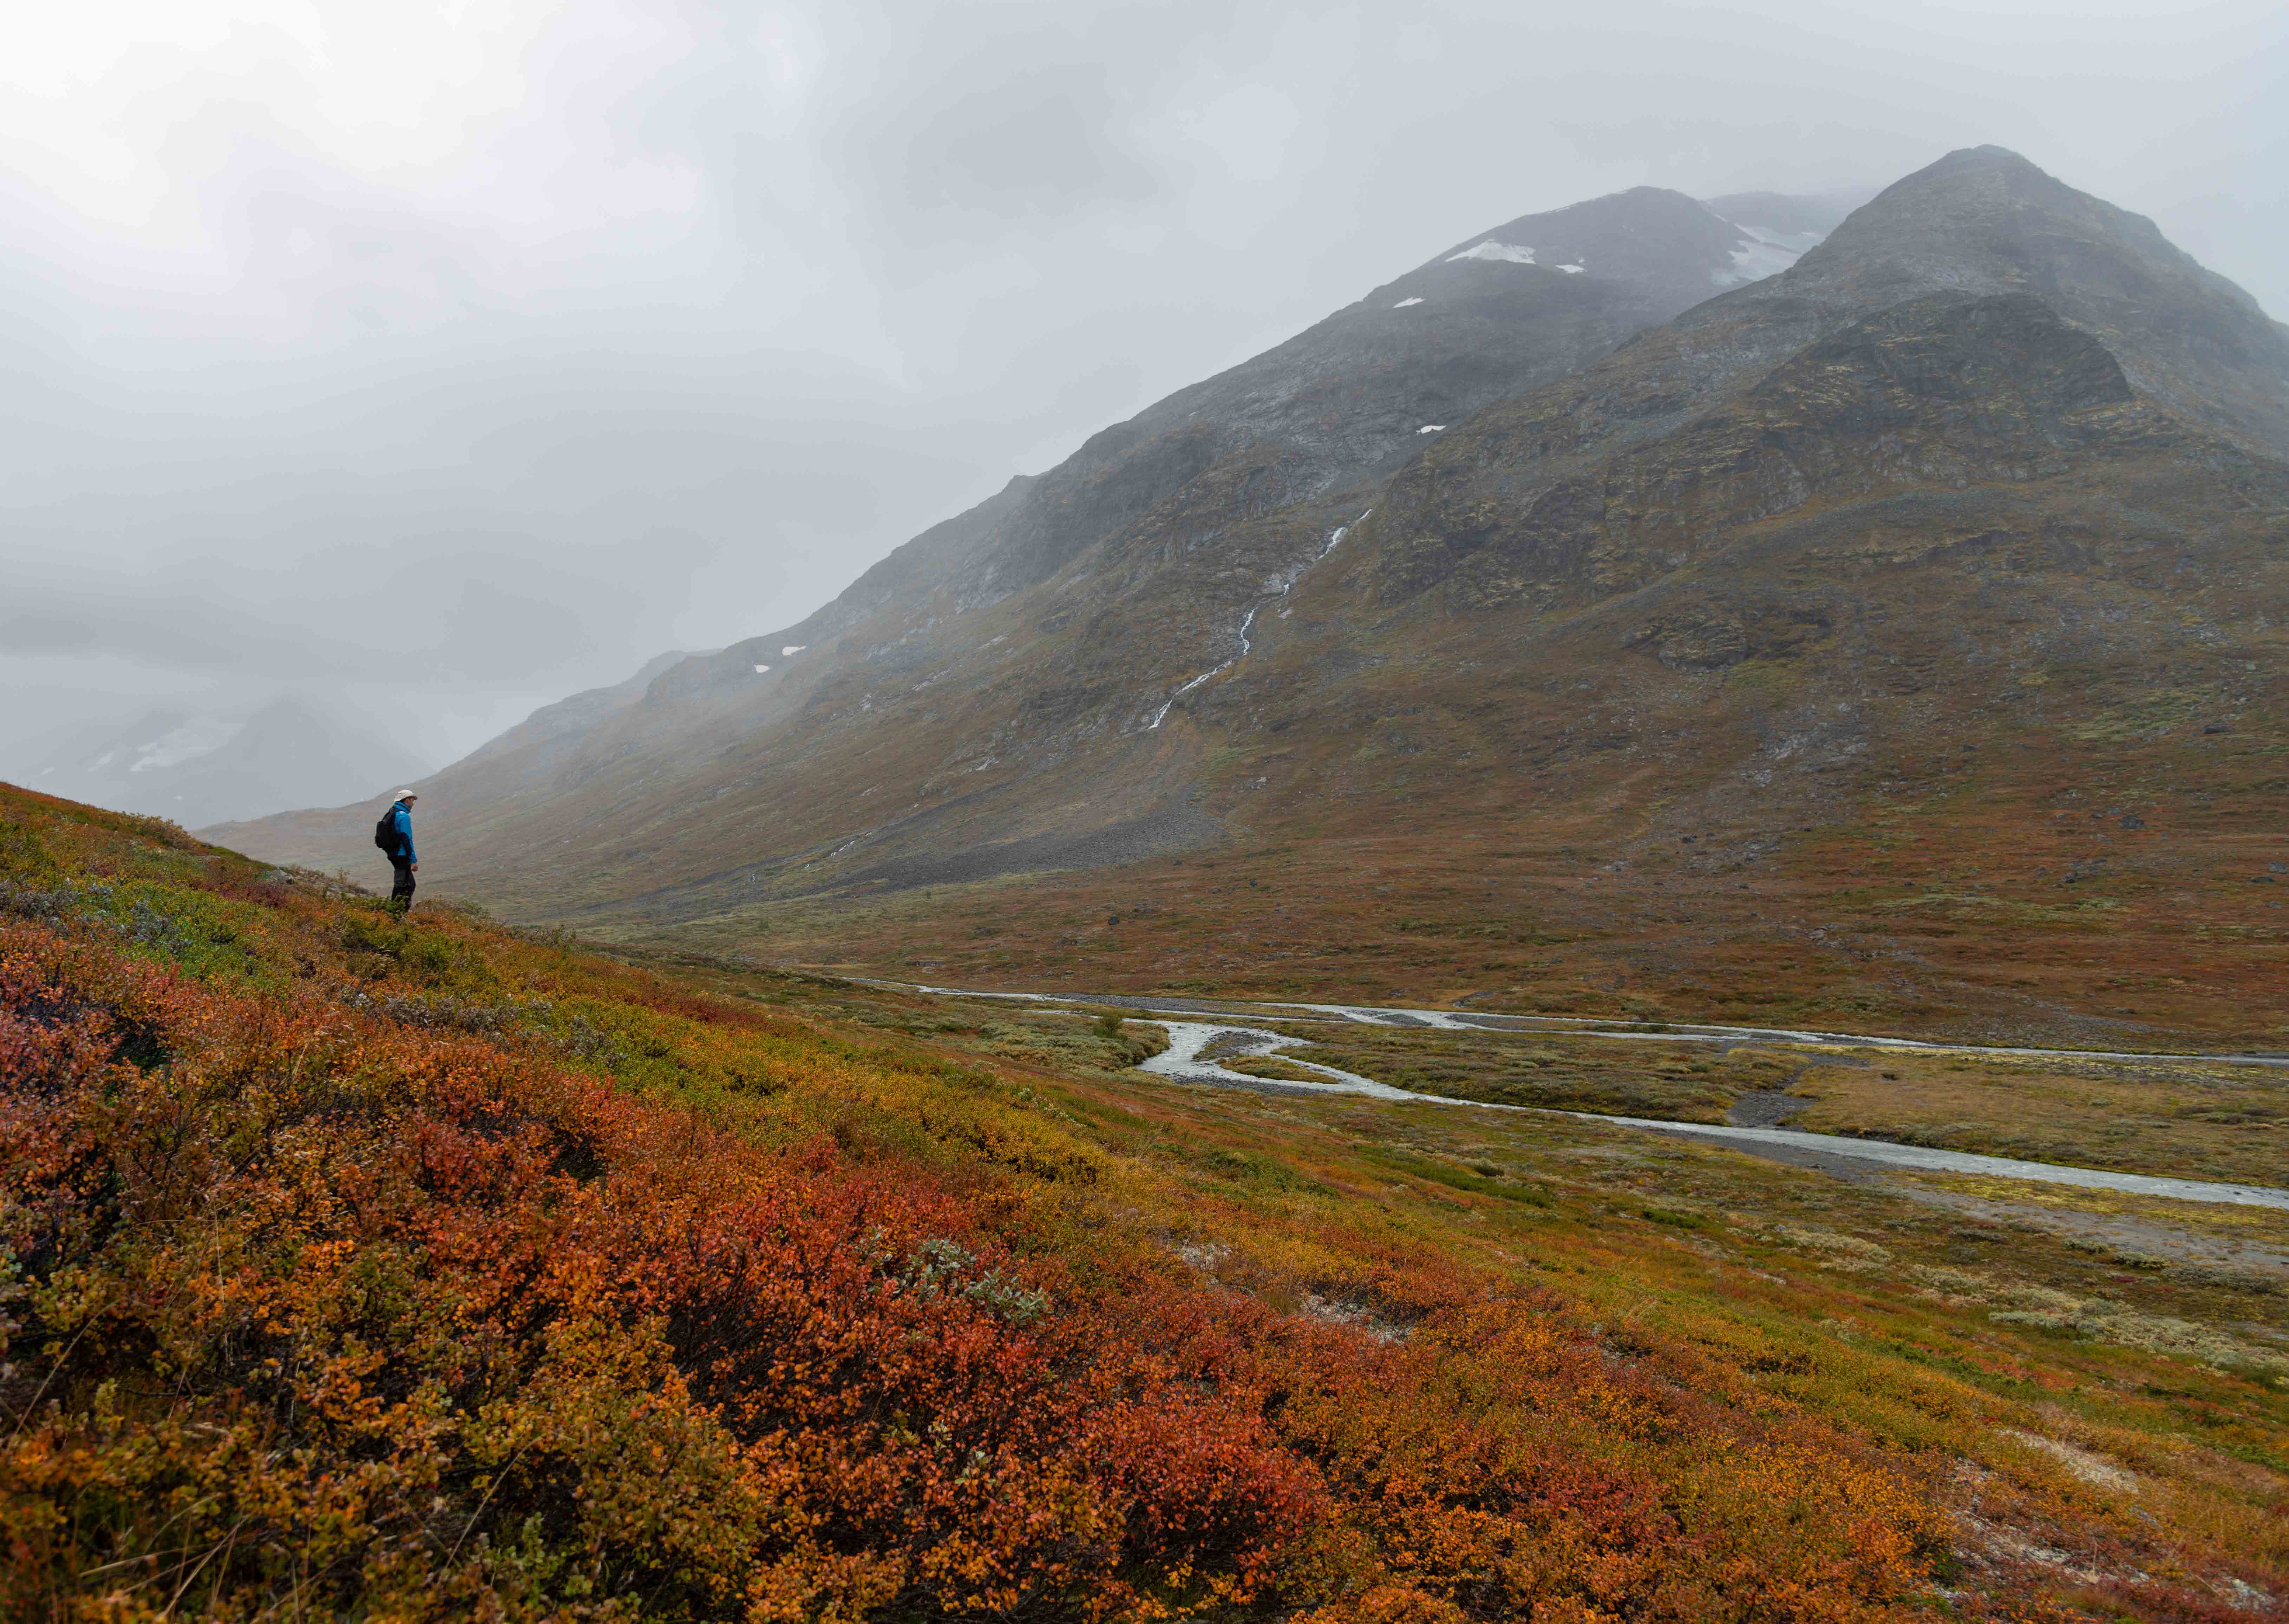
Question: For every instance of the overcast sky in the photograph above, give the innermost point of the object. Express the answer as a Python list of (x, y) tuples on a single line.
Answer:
[(438, 360)]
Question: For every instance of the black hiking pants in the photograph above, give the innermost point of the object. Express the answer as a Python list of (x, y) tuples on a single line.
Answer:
[(401, 884)]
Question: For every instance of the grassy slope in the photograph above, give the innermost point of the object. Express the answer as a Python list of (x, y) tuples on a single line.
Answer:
[(356, 1264)]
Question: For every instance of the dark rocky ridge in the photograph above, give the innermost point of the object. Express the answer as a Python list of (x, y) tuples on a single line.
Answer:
[(1351, 394), (1946, 389), (1985, 220)]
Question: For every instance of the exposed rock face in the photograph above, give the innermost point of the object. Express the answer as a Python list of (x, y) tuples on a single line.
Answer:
[(1969, 471), (1946, 389), (1985, 220)]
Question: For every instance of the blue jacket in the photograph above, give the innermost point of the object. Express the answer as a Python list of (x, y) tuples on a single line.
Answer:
[(404, 817)]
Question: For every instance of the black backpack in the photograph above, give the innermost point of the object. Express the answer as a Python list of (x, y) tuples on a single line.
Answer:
[(385, 831)]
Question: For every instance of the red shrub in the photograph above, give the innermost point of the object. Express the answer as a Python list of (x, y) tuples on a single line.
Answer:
[(329, 1309)]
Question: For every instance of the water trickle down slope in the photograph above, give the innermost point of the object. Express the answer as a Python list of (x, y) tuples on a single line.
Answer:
[(1281, 587)]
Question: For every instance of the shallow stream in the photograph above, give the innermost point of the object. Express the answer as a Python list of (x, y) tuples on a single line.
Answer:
[(1198, 1044)]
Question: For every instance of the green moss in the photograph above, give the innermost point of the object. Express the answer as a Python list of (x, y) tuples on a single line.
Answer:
[(1764, 679), (1453, 1177), (24, 856), (2145, 717), (1675, 1219)]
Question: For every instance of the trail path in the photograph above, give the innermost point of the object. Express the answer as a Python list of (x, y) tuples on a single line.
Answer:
[(1217, 1030)]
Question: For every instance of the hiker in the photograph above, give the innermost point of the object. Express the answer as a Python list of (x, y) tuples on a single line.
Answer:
[(394, 835)]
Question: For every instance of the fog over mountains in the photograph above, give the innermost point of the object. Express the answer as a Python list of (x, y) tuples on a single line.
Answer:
[(439, 365), (1283, 814), (195, 768), (1356, 393), (1569, 534)]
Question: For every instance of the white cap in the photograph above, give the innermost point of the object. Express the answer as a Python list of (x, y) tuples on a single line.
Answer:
[(405, 795)]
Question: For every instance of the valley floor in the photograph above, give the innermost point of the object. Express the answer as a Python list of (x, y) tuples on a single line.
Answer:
[(1199, 1047), (1949, 912)]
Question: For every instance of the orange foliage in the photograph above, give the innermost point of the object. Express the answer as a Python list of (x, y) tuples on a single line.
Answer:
[(317, 1300), (336, 1310)]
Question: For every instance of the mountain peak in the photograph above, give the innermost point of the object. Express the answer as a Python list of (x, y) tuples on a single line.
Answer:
[(1993, 213), (1647, 236), (1986, 220), (1513, 444), (1985, 156)]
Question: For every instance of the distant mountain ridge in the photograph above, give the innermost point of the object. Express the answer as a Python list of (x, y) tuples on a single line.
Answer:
[(522, 762), (571, 718), (204, 769), (1347, 397)]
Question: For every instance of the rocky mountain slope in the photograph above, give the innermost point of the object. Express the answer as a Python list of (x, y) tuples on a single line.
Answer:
[(1978, 506), (1532, 301)]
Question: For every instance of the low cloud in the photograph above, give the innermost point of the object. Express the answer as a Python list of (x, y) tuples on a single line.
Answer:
[(450, 360)]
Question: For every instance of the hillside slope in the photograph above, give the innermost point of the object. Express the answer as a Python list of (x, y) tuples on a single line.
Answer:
[(1532, 301), (1974, 512), (362, 1267)]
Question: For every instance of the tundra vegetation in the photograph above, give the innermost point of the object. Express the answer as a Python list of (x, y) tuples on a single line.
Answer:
[(382, 1269)]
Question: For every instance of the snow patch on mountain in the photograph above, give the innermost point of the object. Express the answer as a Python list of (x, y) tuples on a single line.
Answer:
[(1766, 253), (1491, 250), (1403, 303), (200, 736)]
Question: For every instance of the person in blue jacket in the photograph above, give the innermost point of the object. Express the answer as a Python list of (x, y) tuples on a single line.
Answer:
[(403, 863)]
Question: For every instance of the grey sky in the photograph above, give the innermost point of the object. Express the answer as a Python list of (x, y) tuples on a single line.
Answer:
[(440, 359)]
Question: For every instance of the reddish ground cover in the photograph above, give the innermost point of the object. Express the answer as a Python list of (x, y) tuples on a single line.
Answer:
[(387, 1270)]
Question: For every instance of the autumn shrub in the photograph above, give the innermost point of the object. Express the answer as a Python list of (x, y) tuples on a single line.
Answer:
[(321, 1310), (375, 1268)]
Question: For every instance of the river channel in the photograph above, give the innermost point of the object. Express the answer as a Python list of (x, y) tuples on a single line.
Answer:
[(1204, 1033)]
